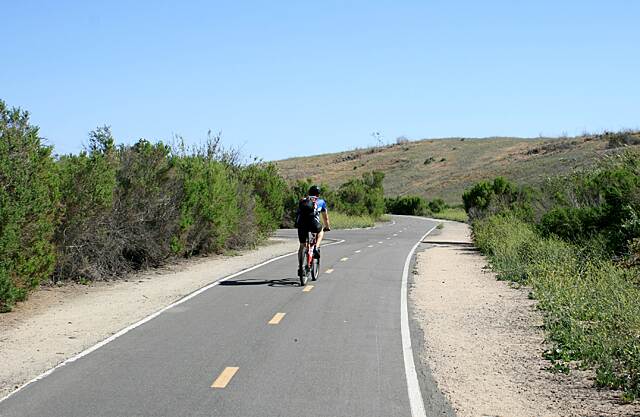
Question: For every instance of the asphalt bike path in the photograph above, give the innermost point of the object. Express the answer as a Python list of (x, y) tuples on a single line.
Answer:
[(258, 344)]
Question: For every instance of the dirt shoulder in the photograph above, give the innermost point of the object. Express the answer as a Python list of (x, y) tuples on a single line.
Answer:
[(483, 340), (59, 322)]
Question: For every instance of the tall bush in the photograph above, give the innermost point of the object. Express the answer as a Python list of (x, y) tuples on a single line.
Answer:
[(28, 202), (146, 211), (87, 185), (409, 205), (268, 189), (500, 195), (209, 211), (362, 196)]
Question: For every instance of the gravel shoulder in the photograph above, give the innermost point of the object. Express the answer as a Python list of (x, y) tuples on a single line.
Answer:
[(483, 340), (59, 322)]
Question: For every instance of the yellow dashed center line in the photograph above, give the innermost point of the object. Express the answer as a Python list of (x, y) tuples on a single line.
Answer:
[(277, 318), (308, 288), (343, 259), (225, 377), (328, 271)]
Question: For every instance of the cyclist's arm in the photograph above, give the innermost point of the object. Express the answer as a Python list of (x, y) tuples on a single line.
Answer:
[(325, 218)]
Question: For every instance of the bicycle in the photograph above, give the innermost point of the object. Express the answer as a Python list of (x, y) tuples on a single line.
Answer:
[(312, 264)]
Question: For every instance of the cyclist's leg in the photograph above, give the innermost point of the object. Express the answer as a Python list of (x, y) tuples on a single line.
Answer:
[(319, 237)]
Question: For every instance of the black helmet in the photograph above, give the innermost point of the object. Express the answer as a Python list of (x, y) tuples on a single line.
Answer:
[(314, 190)]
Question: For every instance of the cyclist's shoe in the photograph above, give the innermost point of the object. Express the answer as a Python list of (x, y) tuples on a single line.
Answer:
[(316, 253)]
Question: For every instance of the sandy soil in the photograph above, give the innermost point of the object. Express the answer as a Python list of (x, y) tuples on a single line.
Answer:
[(483, 340), (58, 322)]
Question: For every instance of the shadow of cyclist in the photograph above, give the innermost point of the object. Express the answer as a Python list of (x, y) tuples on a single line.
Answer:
[(287, 282)]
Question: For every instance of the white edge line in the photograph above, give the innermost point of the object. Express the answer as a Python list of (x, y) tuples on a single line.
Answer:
[(413, 387), (149, 318)]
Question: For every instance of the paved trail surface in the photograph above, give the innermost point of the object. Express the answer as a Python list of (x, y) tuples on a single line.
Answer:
[(258, 344)]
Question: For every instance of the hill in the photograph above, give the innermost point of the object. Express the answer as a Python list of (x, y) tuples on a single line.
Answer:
[(446, 167)]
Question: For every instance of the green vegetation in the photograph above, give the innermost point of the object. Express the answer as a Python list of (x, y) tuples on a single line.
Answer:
[(131, 207), (113, 208), (28, 200), (344, 221), (363, 196), (418, 206), (412, 205), (451, 213), (575, 241)]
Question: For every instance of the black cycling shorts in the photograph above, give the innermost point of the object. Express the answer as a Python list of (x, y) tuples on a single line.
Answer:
[(305, 229)]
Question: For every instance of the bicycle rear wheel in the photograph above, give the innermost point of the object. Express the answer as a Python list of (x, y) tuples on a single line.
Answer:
[(315, 269), (304, 277)]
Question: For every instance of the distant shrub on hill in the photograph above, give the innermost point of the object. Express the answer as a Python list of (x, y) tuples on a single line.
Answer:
[(620, 139)]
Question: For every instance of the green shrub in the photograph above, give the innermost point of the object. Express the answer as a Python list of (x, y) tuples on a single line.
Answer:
[(604, 200), (491, 197), (269, 189), (28, 202), (362, 196), (571, 223), (418, 206), (351, 198), (209, 210), (437, 205), (408, 205)]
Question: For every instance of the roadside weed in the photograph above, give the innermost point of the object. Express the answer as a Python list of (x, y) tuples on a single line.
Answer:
[(590, 304)]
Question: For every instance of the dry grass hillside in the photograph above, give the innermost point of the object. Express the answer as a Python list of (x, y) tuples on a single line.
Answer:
[(446, 167)]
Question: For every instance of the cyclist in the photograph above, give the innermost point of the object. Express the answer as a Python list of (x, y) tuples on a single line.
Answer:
[(308, 221)]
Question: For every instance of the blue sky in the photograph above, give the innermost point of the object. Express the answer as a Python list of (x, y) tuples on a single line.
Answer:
[(284, 78)]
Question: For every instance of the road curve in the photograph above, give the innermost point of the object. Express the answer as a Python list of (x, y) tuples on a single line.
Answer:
[(258, 344)]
